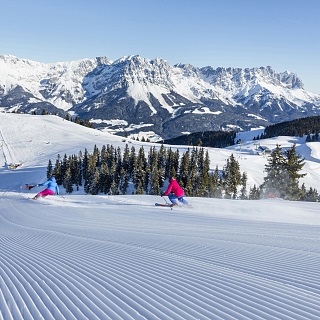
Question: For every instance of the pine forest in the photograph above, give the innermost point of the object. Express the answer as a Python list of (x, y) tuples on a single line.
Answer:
[(109, 171)]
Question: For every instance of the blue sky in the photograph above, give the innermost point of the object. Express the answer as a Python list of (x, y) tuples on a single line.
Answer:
[(283, 34)]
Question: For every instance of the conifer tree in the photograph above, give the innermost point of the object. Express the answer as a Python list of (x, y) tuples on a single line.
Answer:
[(70, 166), (173, 173), (118, 166), (110, 155), (124, 180), (104, 155), (87, 123), (220, 187), (282, 174), (64, 165), (294, 164), (227, 181), (96, 156), (77, 120), (232, 177), (135, 173), (312, 195), (138, 174), (154, 179), (49, 169), (146, 179), (216, 184), (113, 177), (275, 169), (114, 188), (91, 182), (191, 189), (85, 164), (132, 161), (172, 163), (176, 160), (105, 183), (303, 192), (58, 171), (162, 174), (153, 154), (94, 186), (142, 158), (139, 188), (67, 181), (184, 169), (254, 193), (162, 157), (126, 159), (125, 171), (78, 170), (308, 138), (210, 187), (204, 175), (243, 191)]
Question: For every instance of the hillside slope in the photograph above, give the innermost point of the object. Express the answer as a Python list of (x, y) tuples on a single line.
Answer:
[(119, 257), (33, 140)]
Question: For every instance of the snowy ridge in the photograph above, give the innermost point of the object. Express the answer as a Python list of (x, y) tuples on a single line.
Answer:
[(77, 256), (141, 91), (247, 83), (58, 83)]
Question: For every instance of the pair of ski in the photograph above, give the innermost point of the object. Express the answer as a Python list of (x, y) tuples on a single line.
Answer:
[(28, 186), (169, 205)]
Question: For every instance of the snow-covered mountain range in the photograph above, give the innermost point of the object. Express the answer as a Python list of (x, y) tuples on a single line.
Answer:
[(135, 94)]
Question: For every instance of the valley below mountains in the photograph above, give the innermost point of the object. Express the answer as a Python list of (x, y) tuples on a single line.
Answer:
[(135, 95)]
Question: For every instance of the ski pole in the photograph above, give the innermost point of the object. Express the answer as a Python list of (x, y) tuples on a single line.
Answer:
[(167, 203), (165, 200)]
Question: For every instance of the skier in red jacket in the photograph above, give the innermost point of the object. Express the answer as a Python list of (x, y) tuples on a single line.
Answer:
[(174, 192)]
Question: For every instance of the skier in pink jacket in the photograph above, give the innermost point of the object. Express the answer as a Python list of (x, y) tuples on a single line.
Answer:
[(174, 192)]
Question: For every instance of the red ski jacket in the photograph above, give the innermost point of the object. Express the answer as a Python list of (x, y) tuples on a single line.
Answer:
[(175, 188)]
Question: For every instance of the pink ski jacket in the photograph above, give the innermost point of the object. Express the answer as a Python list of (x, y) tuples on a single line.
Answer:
[(175, 188)]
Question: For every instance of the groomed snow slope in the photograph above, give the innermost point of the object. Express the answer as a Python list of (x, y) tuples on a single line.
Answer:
[(120, 257)]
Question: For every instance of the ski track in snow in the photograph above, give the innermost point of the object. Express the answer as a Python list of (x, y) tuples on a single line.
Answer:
[(63, 260)]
